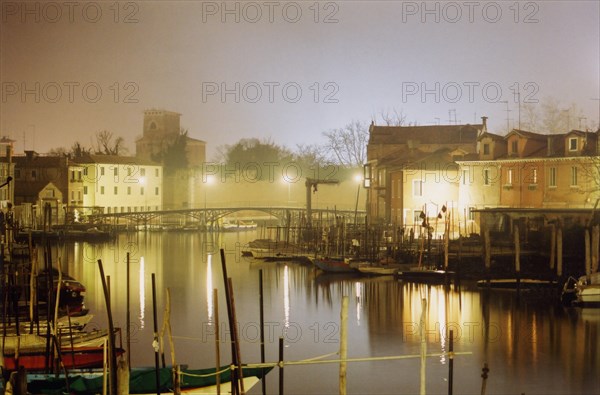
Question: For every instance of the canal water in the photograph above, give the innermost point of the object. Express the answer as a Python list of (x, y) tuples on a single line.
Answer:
[(530, 343)]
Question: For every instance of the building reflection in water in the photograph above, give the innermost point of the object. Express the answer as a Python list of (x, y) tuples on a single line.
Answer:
[(209, 289), (142, 293), (286, 297)]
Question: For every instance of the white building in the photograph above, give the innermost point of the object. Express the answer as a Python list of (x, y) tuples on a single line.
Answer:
[(121, 184)]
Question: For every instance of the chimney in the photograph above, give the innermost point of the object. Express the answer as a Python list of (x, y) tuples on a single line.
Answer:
[(484, 122)]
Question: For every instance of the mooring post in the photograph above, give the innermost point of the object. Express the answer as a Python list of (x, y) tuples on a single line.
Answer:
[(281, 366)]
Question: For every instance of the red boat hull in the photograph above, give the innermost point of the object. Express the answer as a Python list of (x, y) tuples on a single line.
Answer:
[(79, 358)]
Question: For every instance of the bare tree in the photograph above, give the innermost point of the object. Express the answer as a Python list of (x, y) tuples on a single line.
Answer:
[(348, 145), (108, 144), (551, 116), (395, 118)]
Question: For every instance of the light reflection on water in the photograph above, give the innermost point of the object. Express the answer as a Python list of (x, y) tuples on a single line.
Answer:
[(531, 344)]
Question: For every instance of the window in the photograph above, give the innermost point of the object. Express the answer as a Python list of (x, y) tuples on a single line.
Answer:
[(514, 146), (156, 172), (156, 191), (85, 171), (79, 175), (129, 190), (102, 190), (72, 195), (509, 176), (534, 176), (101, 170), (141, 190), (417, 188), (79, 196), (486, 149), (33, 174), (486, 176), (573, 176), (142, 172), (552, 177), (116, 171), (72, 175), (17, 173), (85, 189), (116, 190), (573, 144), (109, 210), (465, 176)]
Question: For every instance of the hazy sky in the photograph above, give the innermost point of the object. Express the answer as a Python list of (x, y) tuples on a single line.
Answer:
[(286, 70)]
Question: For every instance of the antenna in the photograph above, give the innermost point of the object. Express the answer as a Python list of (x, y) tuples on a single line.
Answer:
[(507, 115)]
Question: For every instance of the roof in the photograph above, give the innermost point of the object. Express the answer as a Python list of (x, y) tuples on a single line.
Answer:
[(432, 134), (525, 133), (37, 161), (115, 159), (31, 189), (405, 156), (493, 136)]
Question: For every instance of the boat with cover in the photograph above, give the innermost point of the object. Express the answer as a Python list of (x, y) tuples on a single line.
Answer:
[(583, 291), (143, 381), (335, 265)]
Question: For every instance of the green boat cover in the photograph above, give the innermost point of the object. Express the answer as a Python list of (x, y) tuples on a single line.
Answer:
[(141, 381)]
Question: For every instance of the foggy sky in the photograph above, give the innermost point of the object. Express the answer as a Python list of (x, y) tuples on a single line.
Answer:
[(369, 57)]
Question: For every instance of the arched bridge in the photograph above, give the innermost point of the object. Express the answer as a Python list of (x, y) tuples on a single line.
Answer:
[(210, 215)]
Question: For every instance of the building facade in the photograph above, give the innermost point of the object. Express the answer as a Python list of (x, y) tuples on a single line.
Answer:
[(120, 184)]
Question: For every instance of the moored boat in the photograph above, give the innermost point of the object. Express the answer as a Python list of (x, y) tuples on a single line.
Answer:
[(71, 358), (418, 274), (142, 381), (334, 265), (584, 291), (513, 283)]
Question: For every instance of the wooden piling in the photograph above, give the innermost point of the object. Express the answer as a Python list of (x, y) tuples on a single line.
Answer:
[(111, 335), (155, 342), (588, 250), (559, 252), (552, 246), (450, 362), (423, 346), (517, 241), (128, 314), (235, 335), (484, 376), (217, 339), (595, 254), (343, 344), (262, 329), (281, 366), (234, 359)]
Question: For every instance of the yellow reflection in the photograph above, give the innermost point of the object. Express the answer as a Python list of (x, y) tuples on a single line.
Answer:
[(286, 296), (209, 289), (358, 290), (142, 293)]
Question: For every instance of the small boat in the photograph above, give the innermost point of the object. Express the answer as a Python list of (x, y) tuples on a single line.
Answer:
[(32, 342), (382, 269), (143, 381), (273, 250), (75, 358), (513, 283), (584, 291), (239, 225), (420, 274), (334, 265)]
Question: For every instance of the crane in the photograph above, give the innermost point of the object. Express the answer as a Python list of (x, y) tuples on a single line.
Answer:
[(311, 186)]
